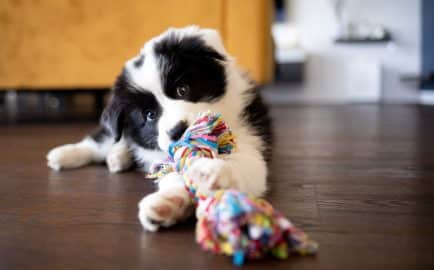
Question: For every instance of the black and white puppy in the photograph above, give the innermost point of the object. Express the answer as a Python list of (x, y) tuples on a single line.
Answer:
[(158, 94)]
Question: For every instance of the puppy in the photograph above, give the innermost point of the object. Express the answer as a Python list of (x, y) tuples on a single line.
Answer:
[(155, 98)]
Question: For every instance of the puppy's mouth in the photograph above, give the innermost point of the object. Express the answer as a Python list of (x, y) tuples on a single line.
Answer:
[(178, 130)]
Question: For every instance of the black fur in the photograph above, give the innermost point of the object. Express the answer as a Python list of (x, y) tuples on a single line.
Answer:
[(139, 62), (257, 116), (100, 134), (128, 113), (189, 62), (176, 132)]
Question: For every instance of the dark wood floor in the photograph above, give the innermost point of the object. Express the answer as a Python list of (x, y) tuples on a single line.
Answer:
[(359, 179)]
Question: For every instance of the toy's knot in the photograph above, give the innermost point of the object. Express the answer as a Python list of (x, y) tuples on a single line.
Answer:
[(207, 137)]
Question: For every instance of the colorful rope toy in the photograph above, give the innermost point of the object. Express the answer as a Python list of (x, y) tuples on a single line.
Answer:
[(232, 222)]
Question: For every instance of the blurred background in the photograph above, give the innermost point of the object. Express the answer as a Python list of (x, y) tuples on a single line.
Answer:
[(58, 58)]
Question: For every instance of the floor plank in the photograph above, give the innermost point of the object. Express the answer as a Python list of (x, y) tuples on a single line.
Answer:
[(358, 178)]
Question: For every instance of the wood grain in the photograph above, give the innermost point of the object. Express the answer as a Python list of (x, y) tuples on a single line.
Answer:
[(359, 179)]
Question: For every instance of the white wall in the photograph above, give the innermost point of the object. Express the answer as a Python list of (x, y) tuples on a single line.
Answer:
[(354, 72)]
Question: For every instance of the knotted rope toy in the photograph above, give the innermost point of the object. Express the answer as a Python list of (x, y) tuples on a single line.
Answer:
[(232, 222)]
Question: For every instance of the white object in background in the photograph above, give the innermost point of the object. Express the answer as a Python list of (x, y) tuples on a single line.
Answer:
[(427, 97), (285, 36), (342, 20), (290, 56), (286, 39), (364, 80)]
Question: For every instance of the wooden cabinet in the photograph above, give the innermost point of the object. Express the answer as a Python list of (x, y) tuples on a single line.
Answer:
[(70, 44)]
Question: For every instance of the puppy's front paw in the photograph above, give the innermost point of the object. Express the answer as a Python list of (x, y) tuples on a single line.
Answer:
[(119, 159), (68, 157), (164, 208), (210, 174)]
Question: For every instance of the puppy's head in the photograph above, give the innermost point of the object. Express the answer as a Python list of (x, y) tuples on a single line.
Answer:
[(132, 113), (161, 90)]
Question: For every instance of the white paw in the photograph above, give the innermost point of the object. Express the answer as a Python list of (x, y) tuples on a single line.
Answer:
[(69, 156), (210, 174), (164, 208), (119, 159)]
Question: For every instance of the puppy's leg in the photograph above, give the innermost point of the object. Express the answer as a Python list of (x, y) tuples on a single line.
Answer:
[(244, 170), (119, 157), (170, 204), (93, 148)]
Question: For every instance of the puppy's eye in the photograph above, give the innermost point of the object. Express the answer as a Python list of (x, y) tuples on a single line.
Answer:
[(150, 116), (182, 90)]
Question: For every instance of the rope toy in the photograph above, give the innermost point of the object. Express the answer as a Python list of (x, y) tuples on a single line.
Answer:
[(231, 222)]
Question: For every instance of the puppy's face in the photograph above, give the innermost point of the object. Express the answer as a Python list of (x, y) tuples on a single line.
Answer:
[(161, 90)]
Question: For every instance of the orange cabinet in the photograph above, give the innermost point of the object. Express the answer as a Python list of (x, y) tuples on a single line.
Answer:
[(66, 44)]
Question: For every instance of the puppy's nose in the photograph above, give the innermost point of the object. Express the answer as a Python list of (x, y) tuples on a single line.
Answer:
[(176, 132)]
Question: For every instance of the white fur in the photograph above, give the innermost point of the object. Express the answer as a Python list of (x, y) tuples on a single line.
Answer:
[(119, 158), (170, 195), (71, 156), (147, 156), (78, 154), (245, 169)]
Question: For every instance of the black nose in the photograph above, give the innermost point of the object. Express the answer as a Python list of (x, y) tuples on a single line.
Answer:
[(176, 132)]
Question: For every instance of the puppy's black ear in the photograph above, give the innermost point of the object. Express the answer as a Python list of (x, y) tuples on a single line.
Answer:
[(113, 118)]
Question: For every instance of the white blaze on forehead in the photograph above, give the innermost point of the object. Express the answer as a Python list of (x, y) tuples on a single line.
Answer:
[(212, 39), (147, 76), (209, 36)]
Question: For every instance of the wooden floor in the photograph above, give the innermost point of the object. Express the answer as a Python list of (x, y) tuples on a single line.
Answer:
[(358, 179)]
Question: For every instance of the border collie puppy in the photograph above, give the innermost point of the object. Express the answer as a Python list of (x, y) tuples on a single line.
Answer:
[(155, 98)]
